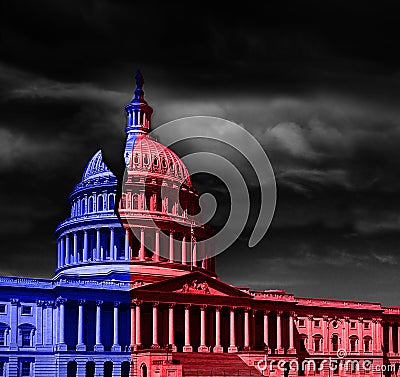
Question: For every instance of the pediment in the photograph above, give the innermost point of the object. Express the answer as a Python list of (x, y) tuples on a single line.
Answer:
[(195, 283)]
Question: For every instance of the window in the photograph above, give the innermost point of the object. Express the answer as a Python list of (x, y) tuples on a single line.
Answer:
[(317, 344), (335, 367), (2, 311), (2, 368), (353, 344), (302, 323), (26, 338), (335, 341), (303, 344), (26, 368), (111, 202), (91, 204), (26, 310), (317, 323), (2, 338), (100, 203), (317, 366), (366, 325), (353, 325), (334, 324), (367, 344)]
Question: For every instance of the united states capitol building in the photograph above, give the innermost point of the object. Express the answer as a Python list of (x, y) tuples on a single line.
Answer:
[(138, 294)]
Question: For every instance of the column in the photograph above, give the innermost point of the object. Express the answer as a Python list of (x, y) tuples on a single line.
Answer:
[(156, 255), (98, 346), (390, 328), (141, 251), (291, 334), (62, 252), (171, 328), (309, 333), (138, 333), (203, 347), (187, 347), (133, 327), (194, 255), (378, 336), (232, 342), (325, 341), (97, 244), (171, 246), (14, 324), (279, 348), (61, 307), (218, 348), (39, 322), (58, 253), (67, 249), (184, 249), (398, 338), (246, 344), (48, 323), (116, 347), (127, 244), (112, 243), (155, 325), (85, 245), (360, 325), (81, 344), (75, 247), (266, 347)]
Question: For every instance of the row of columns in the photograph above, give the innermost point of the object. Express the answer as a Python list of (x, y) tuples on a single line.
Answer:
[(80, 206), (68, 252), (68, 248), (81, 346), (136, 340), (391, 333), (131, 201)]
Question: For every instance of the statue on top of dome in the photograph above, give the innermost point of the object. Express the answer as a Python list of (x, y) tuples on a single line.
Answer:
[(139, 79)]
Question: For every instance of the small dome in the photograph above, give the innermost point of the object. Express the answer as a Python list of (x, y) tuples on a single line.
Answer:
[(96, 168), (150, 156)]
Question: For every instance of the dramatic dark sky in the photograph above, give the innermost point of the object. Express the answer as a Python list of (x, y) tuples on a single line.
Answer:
[(316, 82)]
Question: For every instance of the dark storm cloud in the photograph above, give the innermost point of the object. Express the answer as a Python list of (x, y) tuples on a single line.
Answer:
[(316, 83)]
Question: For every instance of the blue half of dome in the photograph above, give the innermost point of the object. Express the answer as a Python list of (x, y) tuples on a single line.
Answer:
[(96, 174)]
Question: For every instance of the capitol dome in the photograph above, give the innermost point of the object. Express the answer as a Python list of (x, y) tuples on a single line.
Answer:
[(154, 235)]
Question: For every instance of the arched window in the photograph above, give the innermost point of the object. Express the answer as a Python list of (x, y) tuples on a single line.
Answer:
[(83, 205), (123, 201), (335, 342), (4, 329), (100, 203), (143, 370), (367, 343), (108, 369), (303, 342), (91, 204), (71, 368), (125, 366), (90, 369), (353, 343), (135, 201), (26, 331), (111, 200), (317, 340)]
